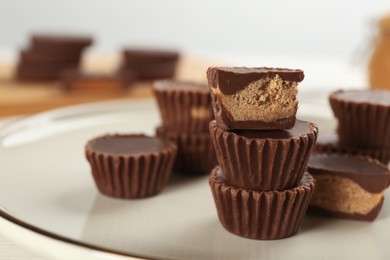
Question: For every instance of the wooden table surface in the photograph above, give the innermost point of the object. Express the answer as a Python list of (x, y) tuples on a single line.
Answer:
[(18, 98)]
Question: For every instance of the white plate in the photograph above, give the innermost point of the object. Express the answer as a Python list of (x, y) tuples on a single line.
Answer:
[(46, 187)]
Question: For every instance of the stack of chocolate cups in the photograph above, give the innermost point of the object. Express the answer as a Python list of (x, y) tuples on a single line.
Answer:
[(185, 109), (261, 188), (363, 124), (49, 55)]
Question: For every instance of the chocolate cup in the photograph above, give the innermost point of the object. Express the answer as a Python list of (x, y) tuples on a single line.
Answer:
[(262, 215), (131, 176), (328, 143), (195, 152), (361, 124), (152, 70), (184, 109), (350, 187), (60, 42), (263, 163)]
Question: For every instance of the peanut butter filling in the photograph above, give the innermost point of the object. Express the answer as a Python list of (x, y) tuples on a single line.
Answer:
[(265, 100), (340, 194)]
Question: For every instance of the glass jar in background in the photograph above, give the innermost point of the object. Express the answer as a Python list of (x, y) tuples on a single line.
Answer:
[(379, 66)]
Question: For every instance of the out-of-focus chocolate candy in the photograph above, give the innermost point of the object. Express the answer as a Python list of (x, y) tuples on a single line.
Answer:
[(350, 187), (195, 151), (328, 142), (363, 117), (150, 63), (130, 166), (60, 41), (185, 107)]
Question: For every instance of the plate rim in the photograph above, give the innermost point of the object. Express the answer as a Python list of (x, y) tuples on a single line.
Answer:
[(69, 110)]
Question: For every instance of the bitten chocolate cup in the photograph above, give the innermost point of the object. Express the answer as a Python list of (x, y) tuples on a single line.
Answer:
[(363, 117), (264, 160), (185, 107), (329, 143), (195, 152), (254, 98), (263, 215), (130, 166), (350, 187)]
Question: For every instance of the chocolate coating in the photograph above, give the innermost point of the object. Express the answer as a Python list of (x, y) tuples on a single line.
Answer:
[(264, 160), (127, 144), (228, 124), (300, 128), (328, 142), (185, 107), (232, 79), (48, 56), (368, 173), (262, 215), (130, 166), (363, 117), (195, 151), (374, 97), (56, 40), (148, 55)]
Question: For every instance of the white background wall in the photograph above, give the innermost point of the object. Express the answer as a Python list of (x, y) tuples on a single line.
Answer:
[(299, 27)]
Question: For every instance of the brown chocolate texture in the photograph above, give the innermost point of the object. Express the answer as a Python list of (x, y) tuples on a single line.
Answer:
[(363, 117), (39, 41), (49, 55), (150, 64), (127, 145), (254, 98), (350, 187), (232, 79), (195, 151), (264, 160), (260, 214), (328, 142), (130, 166), (370, 174), (185, 107)]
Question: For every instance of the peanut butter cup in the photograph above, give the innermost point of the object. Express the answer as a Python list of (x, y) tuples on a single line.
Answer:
[(130, 166), (195, 151), (329, 143), (363, 117), (350, 187), (254, 98), (262, 215), (264, 160), (150, 63), (185, 107)]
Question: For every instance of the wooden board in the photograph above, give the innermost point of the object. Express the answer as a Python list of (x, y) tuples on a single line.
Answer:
[(18, 98)]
